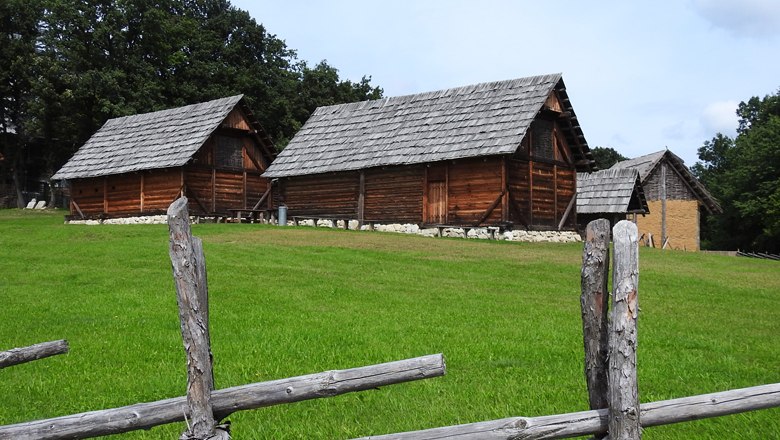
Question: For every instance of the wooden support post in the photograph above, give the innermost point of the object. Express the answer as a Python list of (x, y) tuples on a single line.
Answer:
[(568, 211), (361, 204), (188, 272), (76, 205), (105, 195), (504, 191), (263, 197), (623, 391), (663, 412), (16, 356), (229, 400), (595, 305), (663, 202), (143, 192), (490, 209)]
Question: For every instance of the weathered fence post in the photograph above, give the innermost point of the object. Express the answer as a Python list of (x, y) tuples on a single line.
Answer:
[(594, 301), (188, 272), (623, 392), (21, 355)]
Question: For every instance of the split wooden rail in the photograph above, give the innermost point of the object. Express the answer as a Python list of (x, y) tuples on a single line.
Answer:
[(20, 355)]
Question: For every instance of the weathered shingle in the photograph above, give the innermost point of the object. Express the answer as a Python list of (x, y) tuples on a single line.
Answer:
[(610, 192), (162, 139), (478, 120)]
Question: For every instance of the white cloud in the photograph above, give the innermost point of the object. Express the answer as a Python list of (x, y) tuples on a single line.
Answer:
[(749, 18), (720, 117)]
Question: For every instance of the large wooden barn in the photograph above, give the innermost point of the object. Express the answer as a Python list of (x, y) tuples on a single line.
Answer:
[(675, 199), (502, 153), (213, 152)]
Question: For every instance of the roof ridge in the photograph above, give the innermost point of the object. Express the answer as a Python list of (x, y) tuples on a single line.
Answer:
[(489, 85), (229, 99)]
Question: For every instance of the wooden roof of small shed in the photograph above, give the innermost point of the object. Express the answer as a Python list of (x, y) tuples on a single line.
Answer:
[(610, 192), (478, 120), (646, 164), (161, 139)]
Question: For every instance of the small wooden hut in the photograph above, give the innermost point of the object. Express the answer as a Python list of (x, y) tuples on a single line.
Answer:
[(675, 199), (610, 194), (214, 152), (502, 153)]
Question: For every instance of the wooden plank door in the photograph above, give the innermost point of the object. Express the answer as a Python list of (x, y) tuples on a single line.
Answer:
[(437, 203)]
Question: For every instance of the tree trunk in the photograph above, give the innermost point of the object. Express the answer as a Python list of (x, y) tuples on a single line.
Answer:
[(20, 202)]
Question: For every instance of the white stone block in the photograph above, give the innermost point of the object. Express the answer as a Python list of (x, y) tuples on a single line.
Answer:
[(31, 205), (429, 232), (41, 204)]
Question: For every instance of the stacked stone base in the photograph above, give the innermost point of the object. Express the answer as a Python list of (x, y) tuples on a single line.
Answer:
[(484, 233), (481, 233)]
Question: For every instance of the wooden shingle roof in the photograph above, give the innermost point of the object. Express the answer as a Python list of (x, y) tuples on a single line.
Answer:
[(161, 139), (478, 120), (610, 191), (646, 164)]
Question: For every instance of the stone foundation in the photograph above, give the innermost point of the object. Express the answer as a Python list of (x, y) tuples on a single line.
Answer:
[(479, 233), (144, 220)]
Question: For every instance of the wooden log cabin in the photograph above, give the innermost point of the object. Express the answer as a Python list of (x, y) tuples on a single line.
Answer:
[(214, 152), (502, 154), (675, 199)]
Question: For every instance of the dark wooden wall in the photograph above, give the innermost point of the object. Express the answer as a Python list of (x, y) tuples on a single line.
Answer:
[(474, 185), (126, 194), (542, 180), (676, 187), (394, 193)]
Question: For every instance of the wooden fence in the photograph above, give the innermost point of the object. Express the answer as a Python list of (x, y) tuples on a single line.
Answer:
[(610, 366), (610, 363)]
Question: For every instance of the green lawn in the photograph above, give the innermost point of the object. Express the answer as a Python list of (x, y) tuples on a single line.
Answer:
[(291, 301)]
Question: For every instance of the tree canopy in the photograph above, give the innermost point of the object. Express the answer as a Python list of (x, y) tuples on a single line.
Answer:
[(744, 175), (73, 64), (605, 157)]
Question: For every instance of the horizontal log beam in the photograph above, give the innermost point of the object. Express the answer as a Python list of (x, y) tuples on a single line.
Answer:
[(663, 412), (227, 401), (21, 355)]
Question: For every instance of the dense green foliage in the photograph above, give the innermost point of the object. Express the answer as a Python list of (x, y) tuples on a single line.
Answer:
[(605, 157), (291, 301), (69, 65), (744, 175)]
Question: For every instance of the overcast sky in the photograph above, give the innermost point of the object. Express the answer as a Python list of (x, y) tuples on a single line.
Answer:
[(642, 76)]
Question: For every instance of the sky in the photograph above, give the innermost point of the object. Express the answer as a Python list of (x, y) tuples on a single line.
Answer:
[(642, 76)]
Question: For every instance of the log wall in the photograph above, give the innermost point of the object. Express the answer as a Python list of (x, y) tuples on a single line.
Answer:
[(473, 186), (324, 195), (540, 193), (126, 194), (394, 193)]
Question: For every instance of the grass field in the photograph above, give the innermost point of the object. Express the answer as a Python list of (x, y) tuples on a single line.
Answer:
[(291, 301)]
